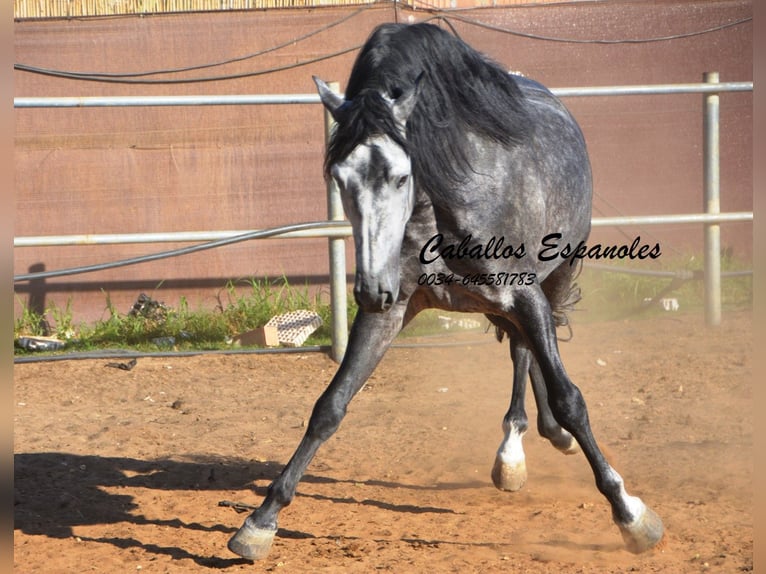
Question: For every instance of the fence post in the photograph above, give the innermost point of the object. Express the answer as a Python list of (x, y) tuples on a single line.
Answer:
[(712, 203), (338, 294)]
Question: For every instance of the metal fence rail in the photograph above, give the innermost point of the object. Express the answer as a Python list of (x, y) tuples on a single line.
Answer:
[(280, 99), (330, 229), (710, 89)]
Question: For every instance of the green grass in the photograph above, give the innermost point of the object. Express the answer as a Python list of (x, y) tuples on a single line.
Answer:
[(249, 304), (242, 306)]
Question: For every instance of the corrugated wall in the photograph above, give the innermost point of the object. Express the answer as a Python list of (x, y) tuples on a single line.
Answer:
[(126, 170), (28, 9)]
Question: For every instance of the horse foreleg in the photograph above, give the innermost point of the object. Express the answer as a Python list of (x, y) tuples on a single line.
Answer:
[(641, 528), (369, 338)]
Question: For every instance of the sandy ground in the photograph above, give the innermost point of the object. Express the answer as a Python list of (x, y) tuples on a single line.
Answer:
[(123, 471)]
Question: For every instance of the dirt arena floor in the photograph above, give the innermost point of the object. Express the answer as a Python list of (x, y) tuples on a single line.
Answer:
[(123, 471)]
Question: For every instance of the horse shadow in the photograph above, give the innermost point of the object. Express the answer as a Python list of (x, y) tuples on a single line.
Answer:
[(55, 492)]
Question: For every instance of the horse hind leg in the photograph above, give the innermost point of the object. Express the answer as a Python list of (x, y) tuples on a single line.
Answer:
[(547, 425), (563, 294), (509, 471), (640, 527)]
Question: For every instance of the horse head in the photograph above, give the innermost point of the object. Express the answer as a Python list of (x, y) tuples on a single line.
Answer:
[(373, 171)]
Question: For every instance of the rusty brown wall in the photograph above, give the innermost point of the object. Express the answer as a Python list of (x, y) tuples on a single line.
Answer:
[(129, 170)]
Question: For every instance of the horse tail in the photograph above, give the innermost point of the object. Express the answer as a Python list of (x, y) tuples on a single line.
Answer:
[(563, 292)]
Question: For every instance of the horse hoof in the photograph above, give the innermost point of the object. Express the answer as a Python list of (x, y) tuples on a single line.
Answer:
[(252, 542), (566, 443), (509, 477), (572, 448), (643, 533)]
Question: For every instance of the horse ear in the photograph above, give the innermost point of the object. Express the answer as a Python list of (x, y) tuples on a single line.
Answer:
[(405, 103), (330, 99)]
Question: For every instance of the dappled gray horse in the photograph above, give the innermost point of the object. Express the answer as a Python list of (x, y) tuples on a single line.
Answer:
[(468, 189)]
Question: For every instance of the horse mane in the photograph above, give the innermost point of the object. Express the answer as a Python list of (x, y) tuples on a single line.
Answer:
[(459, 88), (366, 115)]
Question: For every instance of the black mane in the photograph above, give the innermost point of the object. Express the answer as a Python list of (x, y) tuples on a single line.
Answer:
[(460, 90), (366, 115)]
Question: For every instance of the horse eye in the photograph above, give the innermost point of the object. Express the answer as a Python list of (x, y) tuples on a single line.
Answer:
[(402, 181)]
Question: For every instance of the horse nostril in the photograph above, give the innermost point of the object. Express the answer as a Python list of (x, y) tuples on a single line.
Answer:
[(388, 300), (373, 301)]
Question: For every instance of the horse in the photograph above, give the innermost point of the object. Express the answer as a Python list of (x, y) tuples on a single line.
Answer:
[(453, 174)]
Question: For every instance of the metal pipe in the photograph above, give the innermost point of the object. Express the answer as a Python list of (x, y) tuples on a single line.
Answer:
[(334, 230), (327, 229), (652, 89), (260, 234), (337, 247), (144, 101), (712, 202), (275, 99), (706, 218)]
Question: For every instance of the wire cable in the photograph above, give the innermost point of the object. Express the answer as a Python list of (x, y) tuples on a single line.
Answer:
[(442, 15), (530, 36), (118, 80), (130, 354), (292, 42)]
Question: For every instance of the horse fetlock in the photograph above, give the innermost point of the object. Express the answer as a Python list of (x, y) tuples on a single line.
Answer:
[(643, 533), (515, 423), (252, 542)]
